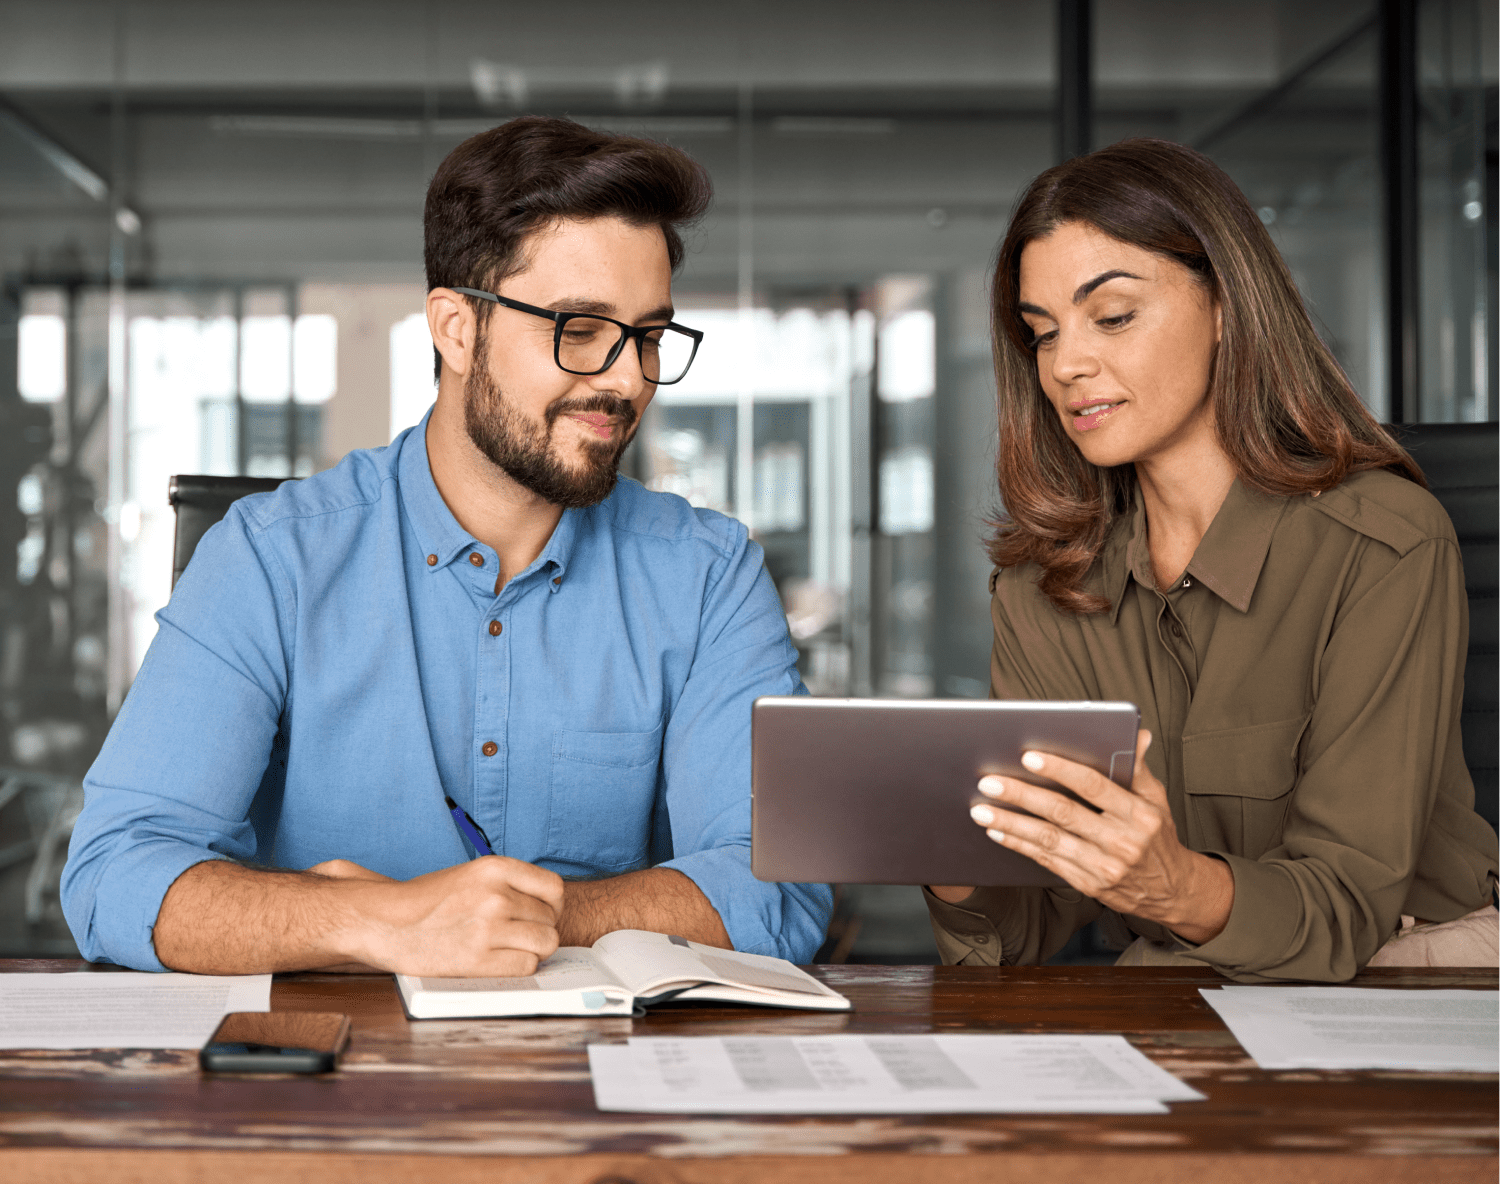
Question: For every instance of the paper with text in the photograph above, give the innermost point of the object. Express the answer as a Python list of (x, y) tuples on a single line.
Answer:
[(1363, 1027), (880, 1074), (123, 1009)]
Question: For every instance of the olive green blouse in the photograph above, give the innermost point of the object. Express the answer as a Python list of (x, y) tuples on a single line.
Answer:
[(1303, 680)]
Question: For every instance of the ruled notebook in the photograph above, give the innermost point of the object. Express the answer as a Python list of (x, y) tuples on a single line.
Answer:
[(619, 974)]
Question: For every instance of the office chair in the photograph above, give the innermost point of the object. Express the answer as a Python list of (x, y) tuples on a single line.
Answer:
[(1462, 463), (200, 502)]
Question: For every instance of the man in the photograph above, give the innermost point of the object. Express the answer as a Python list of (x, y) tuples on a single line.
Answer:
[(479, 612)]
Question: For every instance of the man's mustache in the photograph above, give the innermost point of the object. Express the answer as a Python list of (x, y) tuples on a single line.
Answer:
[(603, 403)]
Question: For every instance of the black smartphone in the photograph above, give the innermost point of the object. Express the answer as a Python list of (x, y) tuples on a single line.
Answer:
[(276, 1042)]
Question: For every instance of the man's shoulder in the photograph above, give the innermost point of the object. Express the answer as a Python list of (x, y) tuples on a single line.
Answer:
[(349, 490), (632, 509)]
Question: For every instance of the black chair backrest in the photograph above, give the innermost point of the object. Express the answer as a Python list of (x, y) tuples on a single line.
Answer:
[(1462, 463), (202, 501)]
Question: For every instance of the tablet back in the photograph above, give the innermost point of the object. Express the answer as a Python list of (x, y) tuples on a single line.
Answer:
[(877, 791)]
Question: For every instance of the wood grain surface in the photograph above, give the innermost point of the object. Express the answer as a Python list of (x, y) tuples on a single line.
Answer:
[(510, 1100)]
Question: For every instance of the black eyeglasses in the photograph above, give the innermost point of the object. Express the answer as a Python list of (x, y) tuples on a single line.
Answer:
[(583, 343)]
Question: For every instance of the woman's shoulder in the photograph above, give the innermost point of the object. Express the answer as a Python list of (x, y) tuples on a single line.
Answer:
[(1386, 507)]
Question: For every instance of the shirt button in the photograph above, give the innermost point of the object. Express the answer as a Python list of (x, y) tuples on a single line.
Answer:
[(981, 939), (476, 559), (432, 561), (557, 580), (495, 628), (1186, 583), (1176, 629), (490, 748)]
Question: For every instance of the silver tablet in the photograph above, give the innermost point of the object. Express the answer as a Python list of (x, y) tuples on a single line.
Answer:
[(877, 791)]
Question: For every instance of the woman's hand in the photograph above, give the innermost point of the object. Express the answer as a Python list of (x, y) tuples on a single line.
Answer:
[(1128, 857)]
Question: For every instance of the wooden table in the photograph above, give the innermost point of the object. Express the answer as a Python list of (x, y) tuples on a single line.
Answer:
[(510, 1100)]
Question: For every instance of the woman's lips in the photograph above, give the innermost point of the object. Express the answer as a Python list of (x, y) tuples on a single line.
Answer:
[(1086, 419)]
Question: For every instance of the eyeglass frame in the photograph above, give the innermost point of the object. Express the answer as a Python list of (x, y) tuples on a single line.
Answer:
[(638, 332)]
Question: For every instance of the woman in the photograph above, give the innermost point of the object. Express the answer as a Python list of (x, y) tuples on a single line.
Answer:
[(1203, 519)]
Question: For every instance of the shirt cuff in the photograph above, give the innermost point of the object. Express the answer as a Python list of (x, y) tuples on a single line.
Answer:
[(964, 932), (128, 901), (1255, 936), (781, 920)]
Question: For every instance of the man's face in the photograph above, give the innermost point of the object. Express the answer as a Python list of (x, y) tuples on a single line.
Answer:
[(557, 434)]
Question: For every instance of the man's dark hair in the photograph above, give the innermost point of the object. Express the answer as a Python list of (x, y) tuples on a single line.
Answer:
[(496, 188)]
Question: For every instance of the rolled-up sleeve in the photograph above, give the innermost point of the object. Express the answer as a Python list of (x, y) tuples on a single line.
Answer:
[(173, 783), (744, 652)]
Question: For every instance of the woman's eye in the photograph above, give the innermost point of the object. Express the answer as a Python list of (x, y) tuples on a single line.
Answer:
[(1117, 322), (1041, 340)]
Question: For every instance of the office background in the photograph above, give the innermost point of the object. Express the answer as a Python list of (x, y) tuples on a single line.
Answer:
[(210, 261)]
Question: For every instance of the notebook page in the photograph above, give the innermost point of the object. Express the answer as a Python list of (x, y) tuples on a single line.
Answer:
[(572, 968), (648, 961)]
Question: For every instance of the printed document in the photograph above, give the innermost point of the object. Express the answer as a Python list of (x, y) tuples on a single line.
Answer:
[(124, 1009), (877, 1074), (1363, 1027)]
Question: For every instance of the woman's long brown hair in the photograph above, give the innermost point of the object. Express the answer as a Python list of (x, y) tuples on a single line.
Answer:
[(1285, 412)]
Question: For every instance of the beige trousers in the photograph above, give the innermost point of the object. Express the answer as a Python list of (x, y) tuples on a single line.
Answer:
[(1473, 940)]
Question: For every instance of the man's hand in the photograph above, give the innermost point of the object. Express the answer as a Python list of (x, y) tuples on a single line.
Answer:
[(493, 916), (1127, 856)]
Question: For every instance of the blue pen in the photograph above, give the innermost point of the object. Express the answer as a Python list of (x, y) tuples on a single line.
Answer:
[(469, 827)]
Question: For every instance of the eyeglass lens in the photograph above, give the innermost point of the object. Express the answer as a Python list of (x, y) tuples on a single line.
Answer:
[(585, 345)]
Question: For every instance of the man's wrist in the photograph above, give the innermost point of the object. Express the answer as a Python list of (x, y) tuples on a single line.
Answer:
[(359, 913)]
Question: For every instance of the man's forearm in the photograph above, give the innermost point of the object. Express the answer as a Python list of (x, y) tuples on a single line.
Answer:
[(222, 918), (659, 900)]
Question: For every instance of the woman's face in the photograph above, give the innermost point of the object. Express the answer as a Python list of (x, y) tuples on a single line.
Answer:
[(1125, 343)]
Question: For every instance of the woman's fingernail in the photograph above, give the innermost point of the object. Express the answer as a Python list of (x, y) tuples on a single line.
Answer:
[(1032, 760), (982, 815), (992, 787), (997, 835)]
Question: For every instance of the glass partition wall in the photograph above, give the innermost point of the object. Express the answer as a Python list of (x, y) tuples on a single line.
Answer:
[(210, 261)]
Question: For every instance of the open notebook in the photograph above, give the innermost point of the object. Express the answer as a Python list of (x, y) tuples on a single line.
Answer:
[(617, 974)]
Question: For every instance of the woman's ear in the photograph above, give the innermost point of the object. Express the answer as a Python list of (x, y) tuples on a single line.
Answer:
[(452, 324), (1218, 322)]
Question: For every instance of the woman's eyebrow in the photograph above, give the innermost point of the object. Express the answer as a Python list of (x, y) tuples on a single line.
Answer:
[(1103, 278)]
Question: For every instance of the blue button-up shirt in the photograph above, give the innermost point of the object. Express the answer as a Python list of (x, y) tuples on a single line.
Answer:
[(335, 660)]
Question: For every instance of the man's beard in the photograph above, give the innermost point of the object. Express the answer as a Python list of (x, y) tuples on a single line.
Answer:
[(525, 452)]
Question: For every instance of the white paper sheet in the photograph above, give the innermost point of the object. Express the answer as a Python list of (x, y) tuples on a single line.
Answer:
[(122, 1010), (1363, 1027), (847, 1074)]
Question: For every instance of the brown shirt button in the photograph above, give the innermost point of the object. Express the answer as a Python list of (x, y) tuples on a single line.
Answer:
[(476, 558), (489, 748), (495, 628), (557, 580), (432, 561)]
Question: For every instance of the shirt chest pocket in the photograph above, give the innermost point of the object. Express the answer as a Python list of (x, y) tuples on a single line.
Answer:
[(602, 794), (1238, 784)]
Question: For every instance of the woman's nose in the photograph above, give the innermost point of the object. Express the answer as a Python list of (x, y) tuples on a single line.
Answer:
[(1073, 358)]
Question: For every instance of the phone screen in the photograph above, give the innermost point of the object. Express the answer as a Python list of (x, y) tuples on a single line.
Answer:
[(276, 1042)]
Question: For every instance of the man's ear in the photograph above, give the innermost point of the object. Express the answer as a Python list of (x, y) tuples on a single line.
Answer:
[(452, 324)]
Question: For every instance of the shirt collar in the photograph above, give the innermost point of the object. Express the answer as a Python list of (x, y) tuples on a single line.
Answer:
[(1228, 560), (438, 532)]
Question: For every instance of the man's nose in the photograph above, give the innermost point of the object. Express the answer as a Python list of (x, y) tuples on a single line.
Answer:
[(624, 376)]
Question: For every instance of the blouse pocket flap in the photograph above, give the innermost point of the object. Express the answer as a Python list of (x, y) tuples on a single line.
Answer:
[(1255, 762)]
